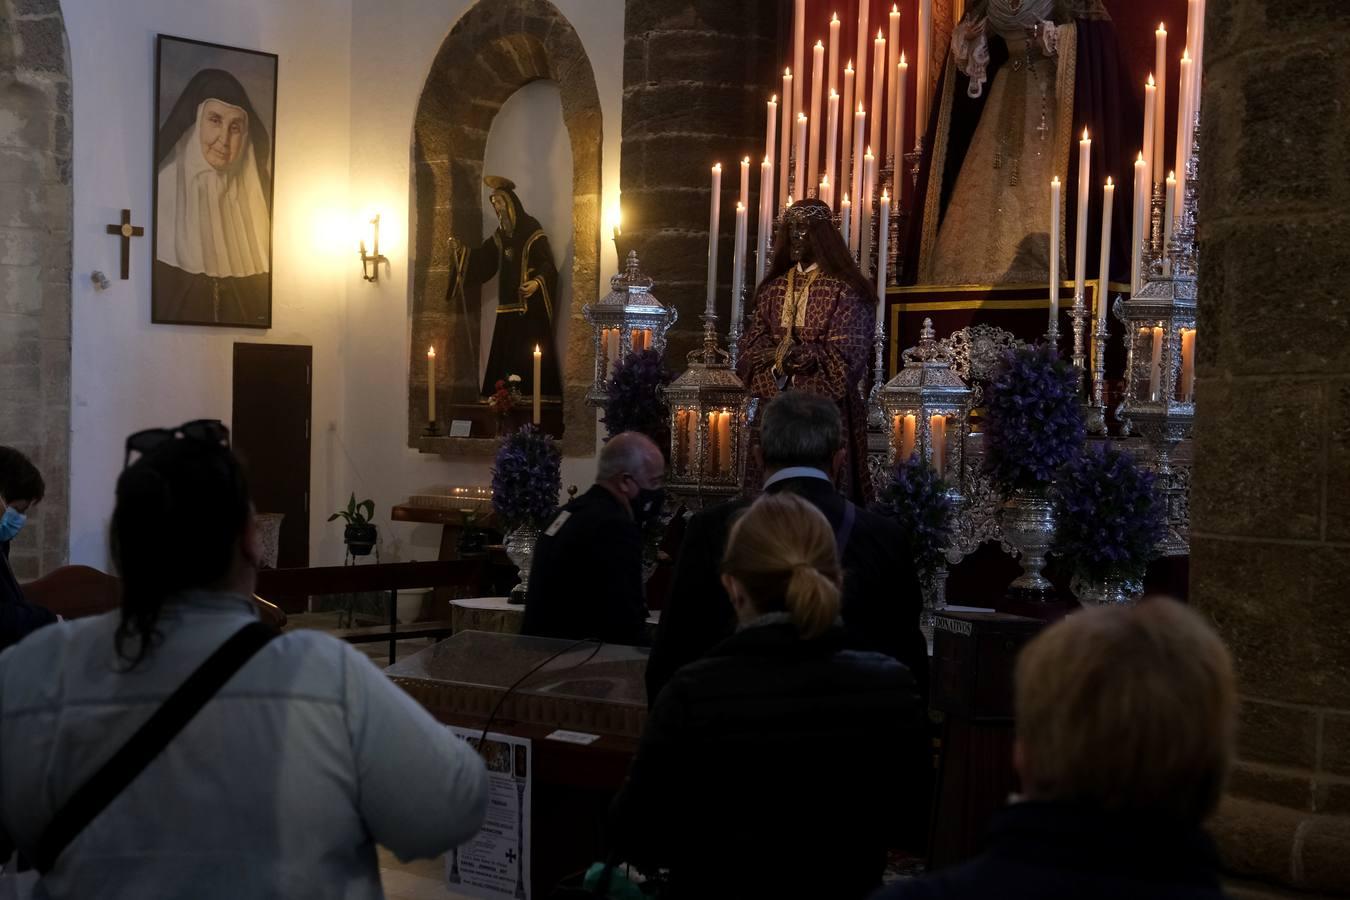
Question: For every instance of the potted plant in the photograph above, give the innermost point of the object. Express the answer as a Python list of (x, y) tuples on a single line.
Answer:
[(1110, 521), (360, 534), (526, 480), (1034, 426)]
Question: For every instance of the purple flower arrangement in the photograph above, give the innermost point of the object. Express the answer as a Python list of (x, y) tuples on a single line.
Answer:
[(634, 401), (1110, 518), (1035, 424), (526, 478), (917, 500)]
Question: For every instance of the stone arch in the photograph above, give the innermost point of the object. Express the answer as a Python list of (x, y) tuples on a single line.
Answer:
[(496, 48), (35, 263)]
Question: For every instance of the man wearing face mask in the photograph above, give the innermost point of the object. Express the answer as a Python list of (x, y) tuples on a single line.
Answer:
[(586, 578), (21, 488), (811, 330)]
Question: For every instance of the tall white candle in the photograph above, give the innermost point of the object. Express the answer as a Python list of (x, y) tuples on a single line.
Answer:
[(785, 154), (859, 149), (798, 53), (817, 82), (1137, 226), (1080, 232), (860, 58), (1150, 101), (771, 131), (898, 119), (883, 242), (738, 264), (1054, 254), (1185, 124), (924, 63), (846, 104), (845, 214), (1169, 211), (1155, 365), (800, 186), (743, 196), (888, 146), (878, 88), (1197, 50), (1104, 263), (865, 214), (765, 219), (714, 214), (1156, 163), (831, 139), (832, 61), (431, 384)]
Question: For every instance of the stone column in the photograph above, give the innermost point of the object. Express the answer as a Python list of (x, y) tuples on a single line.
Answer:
[(35, 227), (1271, 499), (696, 76)]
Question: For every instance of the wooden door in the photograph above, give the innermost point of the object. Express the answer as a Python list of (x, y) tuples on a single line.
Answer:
[(270, 430)]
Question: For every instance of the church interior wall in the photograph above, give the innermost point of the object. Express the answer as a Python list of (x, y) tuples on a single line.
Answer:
[(350, 73), (128, 374)]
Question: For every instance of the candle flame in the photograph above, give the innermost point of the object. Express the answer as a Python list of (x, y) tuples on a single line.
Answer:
[(1151, 82), (774, 98), (431, 351), (536, 348), (1054, 182), (860, 109), (1162, 29), (824, 181), (787, 72), (801, 118), (1186, 55), (845, 200), (880, 39), (1140, 160), (717, 167), (1109, 182), (745, 161), (1172, 176), (869, 151), (819, 45), (895, 9), (848, 69), (885, 194), (834, 18), (1085, 135), (740, 207), (834, 95), (902, 59)]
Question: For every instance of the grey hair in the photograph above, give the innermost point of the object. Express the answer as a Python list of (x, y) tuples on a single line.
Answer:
[(624, 454), (800, 429)]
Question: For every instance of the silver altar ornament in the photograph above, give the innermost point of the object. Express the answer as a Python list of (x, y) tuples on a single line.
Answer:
[(1028, 520), (627, 319), (519, 545), (1160, 323), (708, 415), (927, 408)]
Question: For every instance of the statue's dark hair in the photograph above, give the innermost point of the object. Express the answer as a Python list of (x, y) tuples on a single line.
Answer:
[(829, 251), (19, 478), (181, 511)]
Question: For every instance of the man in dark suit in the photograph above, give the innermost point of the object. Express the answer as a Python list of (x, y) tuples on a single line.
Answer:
[(586, 577), (802, 447)]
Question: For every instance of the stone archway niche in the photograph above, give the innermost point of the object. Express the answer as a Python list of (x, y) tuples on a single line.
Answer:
[(496, 48)]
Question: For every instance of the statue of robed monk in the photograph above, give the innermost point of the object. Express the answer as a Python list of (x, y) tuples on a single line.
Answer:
[(519, 253)]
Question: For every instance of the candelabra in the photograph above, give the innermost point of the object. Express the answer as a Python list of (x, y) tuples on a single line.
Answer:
[(1096, 413), (914, 158), (1080, 316)]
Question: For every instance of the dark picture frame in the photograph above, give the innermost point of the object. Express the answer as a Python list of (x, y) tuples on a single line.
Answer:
[(214, 168)]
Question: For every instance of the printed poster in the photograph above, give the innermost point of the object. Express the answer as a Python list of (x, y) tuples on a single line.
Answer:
[(496, 862)]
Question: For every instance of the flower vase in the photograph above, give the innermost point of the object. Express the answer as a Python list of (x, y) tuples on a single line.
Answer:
[(519, 545), (1028, 521), (934, 588), (1107, 591)]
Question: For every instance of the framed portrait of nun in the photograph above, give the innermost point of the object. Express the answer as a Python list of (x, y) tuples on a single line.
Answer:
[(215, 138)]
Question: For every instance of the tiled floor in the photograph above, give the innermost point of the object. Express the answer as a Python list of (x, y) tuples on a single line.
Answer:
[(423, 879)]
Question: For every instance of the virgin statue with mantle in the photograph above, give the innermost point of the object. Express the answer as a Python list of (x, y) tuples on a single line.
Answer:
[(1023, 79), (518, 253)]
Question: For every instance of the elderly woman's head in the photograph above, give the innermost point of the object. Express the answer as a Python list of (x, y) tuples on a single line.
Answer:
[(1127, 709)]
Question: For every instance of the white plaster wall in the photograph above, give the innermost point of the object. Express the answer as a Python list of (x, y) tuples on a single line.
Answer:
[(128, 374), (393, 48)]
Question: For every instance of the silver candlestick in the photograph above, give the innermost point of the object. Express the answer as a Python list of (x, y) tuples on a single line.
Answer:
[(1080, 317), (876, 413)]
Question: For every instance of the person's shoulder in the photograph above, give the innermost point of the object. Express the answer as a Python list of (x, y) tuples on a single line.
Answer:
[(716, 516), (871, 667)]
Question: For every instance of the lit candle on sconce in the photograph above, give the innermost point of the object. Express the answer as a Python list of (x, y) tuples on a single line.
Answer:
[(1186, 389), (1054, 255), (1081, 229), (845, 213), (846, 130), (832, 60), (431, 384), (908, 432), (1155, 365), (799, 171), (1160, 103), (817, 83), (1104, 257), (538, 368), (785, 144), (937, 432), (723, 442)]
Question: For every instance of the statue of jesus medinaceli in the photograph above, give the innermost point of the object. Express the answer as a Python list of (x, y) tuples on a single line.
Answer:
[(811, 330)]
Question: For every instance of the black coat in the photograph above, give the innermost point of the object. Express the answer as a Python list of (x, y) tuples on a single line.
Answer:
[(1042, 851), (774, 767), (881, 600), (18, 617), (586, 578)]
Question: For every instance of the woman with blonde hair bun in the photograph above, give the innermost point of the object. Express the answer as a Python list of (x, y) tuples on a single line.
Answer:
[(775, 765)]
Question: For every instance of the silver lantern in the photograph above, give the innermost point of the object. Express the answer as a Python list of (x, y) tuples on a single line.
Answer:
[(629, 318)]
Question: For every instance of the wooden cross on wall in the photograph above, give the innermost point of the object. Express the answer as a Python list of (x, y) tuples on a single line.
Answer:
[(126, 231)]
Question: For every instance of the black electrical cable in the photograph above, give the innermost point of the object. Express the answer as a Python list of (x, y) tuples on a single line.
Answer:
[(548, 659)]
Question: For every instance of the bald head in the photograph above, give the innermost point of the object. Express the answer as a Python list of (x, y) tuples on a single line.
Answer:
[(631, 454)]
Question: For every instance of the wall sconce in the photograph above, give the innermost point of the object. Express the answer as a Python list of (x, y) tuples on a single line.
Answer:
[(370, 262)]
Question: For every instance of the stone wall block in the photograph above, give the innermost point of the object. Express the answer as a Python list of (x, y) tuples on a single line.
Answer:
[(1269, 785), (1325, 856), (1255, 839), (734, 18), (44, 44), (21, 290), (1283, 623), (717, 58), (1338, 460), (682, 108), (1239, 490), (1281, 735)]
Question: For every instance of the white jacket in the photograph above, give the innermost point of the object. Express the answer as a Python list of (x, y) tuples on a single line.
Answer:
[(281, 786)]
